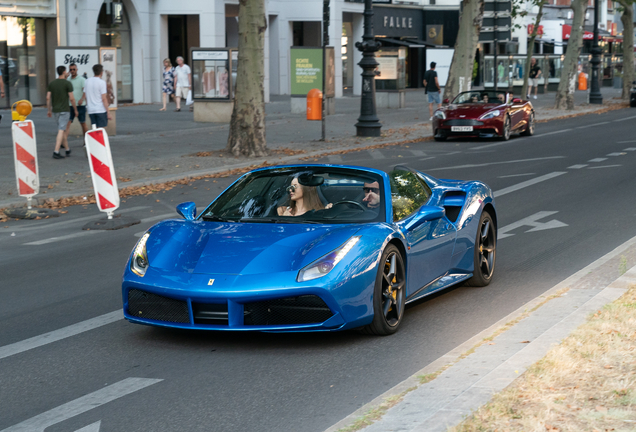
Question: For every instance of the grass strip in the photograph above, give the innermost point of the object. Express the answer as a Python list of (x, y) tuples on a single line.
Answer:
[(586, 383)]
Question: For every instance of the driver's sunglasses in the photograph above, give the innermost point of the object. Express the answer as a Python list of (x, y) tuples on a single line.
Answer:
[(291, 188), (371, 189)]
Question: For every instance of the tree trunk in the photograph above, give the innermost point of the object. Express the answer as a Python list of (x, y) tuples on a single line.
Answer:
[(569, 74), (247, 127), (530, 51), (460, 74), (627, 18)]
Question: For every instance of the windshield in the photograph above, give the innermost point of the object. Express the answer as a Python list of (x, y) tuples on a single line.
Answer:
[(301, 195), (481, 97)]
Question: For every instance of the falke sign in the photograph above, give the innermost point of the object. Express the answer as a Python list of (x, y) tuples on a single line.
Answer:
[(398, 22), (567, 31)]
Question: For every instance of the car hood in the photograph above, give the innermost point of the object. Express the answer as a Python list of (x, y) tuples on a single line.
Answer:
[(202, 247), (469, 110)]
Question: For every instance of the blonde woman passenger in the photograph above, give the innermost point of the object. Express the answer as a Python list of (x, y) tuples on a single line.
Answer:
[(302, 199)]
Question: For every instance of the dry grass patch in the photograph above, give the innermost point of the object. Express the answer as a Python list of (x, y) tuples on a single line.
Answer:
[(587, 383)]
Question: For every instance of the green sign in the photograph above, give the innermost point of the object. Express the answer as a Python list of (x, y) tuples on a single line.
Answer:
[(306, 70)]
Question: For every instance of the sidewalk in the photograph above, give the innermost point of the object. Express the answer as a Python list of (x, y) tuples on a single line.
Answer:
[(153, 146), (445, 392)]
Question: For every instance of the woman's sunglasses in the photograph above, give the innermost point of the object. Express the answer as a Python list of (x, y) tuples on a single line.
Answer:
[(291, 188)]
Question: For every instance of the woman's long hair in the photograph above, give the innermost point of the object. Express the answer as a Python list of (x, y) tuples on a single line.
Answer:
[(167, 60), (310, 197)]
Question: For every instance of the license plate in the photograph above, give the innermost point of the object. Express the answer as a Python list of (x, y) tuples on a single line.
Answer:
[(461, 128)]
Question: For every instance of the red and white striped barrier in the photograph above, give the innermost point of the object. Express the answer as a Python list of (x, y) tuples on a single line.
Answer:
[(26, 159), (102, 171)]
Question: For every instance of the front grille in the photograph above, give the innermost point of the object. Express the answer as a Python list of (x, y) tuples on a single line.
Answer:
[(209, 313), (463, 122), (307, 309), (145, 305)]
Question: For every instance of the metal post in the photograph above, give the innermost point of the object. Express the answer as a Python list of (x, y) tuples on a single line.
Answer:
[(496, 43), (595, 91), (368, 123), (325, 42)]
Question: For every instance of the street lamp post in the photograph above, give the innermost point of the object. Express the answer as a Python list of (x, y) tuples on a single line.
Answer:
[(595, 91), (368, 123)]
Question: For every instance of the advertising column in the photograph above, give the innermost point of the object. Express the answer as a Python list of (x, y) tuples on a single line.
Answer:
[(306, 74)]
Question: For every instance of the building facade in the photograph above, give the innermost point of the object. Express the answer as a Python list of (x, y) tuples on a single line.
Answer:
[(147, 31)]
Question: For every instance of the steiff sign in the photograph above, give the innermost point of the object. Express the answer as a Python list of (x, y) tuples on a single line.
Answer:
[(306, 70), (83, 57)]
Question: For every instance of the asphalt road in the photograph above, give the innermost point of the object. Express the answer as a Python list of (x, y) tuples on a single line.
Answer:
[(564, 199)]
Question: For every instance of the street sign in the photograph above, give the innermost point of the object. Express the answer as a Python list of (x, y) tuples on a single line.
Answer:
[(497, 21), (102, 171)]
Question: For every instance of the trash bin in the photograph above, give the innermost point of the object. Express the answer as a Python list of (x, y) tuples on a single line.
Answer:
[(314, 105), (582, 81)]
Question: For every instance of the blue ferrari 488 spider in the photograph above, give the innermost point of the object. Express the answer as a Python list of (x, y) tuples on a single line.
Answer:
[(312, 248)]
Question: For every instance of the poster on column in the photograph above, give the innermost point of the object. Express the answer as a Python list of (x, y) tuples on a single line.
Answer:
[(83, 57), (108, 59)]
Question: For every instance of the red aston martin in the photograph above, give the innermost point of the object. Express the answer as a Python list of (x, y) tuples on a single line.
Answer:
[(483, 114)]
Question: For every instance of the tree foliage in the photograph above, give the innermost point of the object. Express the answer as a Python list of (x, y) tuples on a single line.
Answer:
[(247, 126)]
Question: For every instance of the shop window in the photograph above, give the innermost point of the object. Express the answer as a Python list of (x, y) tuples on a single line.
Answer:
[(22, 61), (110, 34)]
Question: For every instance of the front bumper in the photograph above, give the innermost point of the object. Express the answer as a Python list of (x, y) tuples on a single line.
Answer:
[(245, 302), (490, 128)]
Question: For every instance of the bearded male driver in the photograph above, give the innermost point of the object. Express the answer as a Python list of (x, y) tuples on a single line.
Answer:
[(371, 195)]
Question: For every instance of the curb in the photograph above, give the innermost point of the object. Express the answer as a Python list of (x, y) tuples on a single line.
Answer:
[(455, 354)]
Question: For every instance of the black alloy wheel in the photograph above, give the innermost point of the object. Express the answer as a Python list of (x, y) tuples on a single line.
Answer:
[(530, 128), (505, 136), (485, 252), (389, 296)]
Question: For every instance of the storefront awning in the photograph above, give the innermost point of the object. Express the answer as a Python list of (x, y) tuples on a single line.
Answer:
[(411, 43)]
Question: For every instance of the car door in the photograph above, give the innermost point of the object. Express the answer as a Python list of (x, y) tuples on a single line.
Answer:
[(516, 110), (430, 236)]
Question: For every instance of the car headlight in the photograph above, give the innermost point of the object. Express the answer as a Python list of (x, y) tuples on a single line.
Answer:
[(440, 115), (490, 115), (326, 263), (139, 262)]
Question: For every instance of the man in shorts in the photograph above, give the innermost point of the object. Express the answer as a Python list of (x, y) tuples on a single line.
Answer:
[(533, 81), (97, 102), (78, 82), (182, 81), (432, 88), (58, 95)]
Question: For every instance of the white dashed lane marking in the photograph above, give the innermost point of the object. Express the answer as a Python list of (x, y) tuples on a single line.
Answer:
[(516, 175), (630, 148), (577, 166), (592, 125), (597, 160), (616, 154), (604, 166)]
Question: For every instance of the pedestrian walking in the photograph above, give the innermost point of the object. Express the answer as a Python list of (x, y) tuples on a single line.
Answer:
[(97, 98), (58, 95), (535, 73), (182, 81), (78, 83), (431, 86), (168, 82)]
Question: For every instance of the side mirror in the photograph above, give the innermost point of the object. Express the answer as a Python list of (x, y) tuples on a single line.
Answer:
[(445, 101), (516, 100), (188, 210)]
